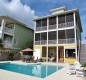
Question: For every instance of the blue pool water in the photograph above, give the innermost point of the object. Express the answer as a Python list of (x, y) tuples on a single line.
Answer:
[(41, 71)]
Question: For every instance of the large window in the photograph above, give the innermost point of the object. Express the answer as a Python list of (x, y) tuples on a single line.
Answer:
[(70, 53)]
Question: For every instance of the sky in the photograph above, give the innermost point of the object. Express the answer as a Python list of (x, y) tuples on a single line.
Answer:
[(26, 10)]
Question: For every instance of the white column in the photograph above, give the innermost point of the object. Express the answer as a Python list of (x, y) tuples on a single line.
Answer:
[(2, 27), (57, 54), (57, 37), (47, 39), (75, 34), (64, 54), (34, 31), (75, 28), (76, 53)]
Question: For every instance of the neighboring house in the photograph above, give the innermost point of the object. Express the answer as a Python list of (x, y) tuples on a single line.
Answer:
[(15, 35), (58, 35), (83, 53)]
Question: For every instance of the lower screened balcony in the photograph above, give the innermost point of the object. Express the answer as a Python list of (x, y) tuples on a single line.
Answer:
[(64, 37)]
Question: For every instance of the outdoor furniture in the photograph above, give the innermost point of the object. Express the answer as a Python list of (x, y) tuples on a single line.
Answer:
[(51, 59), (80, 72), (71, 69)]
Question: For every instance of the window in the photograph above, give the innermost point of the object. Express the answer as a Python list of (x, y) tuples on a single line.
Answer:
[(70, 53)]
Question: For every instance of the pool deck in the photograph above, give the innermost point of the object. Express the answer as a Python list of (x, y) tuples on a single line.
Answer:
[(60, 75)]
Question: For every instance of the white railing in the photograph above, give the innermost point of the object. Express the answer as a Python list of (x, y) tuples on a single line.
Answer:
[(67, 24), (66, 41), (37, 42), (9, 30), (43, 41), (41, 28), (52, 26), (52, 41), (7, 43)]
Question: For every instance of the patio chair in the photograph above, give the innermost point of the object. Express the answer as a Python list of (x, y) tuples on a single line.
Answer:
[(51, 59), (71, 69), (80, 72)]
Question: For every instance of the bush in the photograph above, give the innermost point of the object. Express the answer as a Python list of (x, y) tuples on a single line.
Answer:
[(11, 55), (84, 64)]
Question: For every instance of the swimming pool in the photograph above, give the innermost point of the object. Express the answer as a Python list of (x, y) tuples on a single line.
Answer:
[(41, 71)]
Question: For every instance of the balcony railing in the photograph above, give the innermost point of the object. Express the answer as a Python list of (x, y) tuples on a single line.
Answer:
[(7, 43), (37, 42), (67, 24), (66, 41), (52, 26), (9, 30), (43, 41), (41, 28), (52, 41)]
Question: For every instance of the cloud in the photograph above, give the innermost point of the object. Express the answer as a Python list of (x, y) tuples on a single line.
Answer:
[(16, 10)]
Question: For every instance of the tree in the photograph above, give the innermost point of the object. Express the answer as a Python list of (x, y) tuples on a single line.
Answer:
[(1, 43)]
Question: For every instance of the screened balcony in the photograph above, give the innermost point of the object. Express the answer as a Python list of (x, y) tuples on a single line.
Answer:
[(44, 38), (52, 37), (66, 20), (66, 36), (41, 25), (52, 23), (41, 38), (37, 38)]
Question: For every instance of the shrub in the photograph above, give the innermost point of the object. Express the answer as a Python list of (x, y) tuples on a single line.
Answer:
[(84, 64)]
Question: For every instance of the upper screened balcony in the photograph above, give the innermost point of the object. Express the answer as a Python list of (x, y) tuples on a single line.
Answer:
[(41, 25), (52, 23), (66, 20)]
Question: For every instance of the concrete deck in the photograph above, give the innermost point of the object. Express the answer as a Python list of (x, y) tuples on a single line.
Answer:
[(60, 75)]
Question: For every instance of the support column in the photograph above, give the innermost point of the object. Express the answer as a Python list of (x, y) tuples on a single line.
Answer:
[(57, 38), (47, 55), (47, 39), (34, 32), (64, 54), (57, 54), (2, 27), (76, 53)]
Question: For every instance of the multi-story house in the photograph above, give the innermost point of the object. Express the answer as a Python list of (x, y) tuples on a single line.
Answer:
[(58, 35), (15, 35)]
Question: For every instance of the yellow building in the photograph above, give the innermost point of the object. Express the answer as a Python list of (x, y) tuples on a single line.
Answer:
[(58, 35)]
